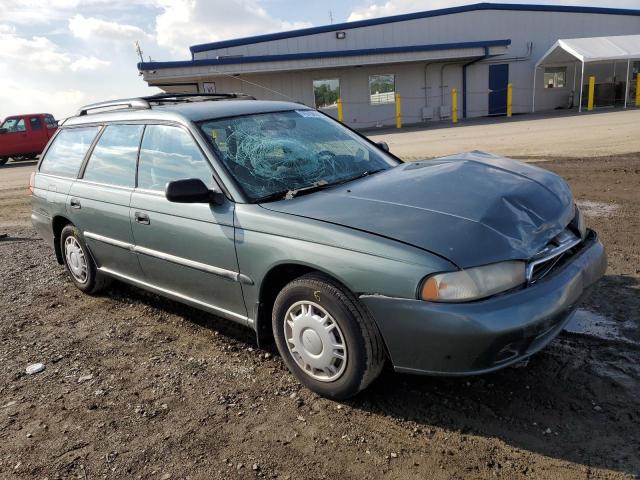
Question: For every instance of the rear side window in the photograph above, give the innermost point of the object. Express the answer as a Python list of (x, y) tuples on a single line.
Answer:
[(167, 154), (113, 160), (36, 123), (14, 125), (67, 151)]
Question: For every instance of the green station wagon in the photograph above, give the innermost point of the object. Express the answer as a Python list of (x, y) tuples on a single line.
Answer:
[(280, 218)]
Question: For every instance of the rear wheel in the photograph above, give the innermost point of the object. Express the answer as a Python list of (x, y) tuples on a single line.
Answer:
[(326, 338), (80, 265), (3, 160)]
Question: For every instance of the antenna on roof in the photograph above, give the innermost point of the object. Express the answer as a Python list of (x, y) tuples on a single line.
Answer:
[(139, 51)]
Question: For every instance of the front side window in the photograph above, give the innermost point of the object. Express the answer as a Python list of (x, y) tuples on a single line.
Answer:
[(270, 154), (555, 77), (326, 92), (68, 150), (113, 160), (167, 154), (382, 89), (14, 125), (50, 121), (36, 123)]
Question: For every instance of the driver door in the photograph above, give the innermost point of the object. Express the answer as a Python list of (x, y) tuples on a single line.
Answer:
[(186, 250)]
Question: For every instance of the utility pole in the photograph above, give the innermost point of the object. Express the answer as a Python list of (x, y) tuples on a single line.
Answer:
[(331, 17)]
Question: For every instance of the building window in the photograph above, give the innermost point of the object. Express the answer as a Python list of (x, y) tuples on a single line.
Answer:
[(382, 89), (555, 77), (209, 87), (326, 92)]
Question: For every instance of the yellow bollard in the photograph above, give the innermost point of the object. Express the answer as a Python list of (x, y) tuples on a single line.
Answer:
[(340, 111), (398, 111), (592, 91), (454, 105), (638, 90), (509, 100)]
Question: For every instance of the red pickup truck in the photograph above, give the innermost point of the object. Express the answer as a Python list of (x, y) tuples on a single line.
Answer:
[(24, 137)]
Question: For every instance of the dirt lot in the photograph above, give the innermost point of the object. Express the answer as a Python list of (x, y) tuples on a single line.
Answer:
[(139, 387)]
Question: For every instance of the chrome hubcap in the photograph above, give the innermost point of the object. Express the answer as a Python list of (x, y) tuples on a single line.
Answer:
[(76, 261), (315, 341)]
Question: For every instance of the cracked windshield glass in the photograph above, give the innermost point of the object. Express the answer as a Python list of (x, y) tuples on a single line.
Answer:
[(273, 154)]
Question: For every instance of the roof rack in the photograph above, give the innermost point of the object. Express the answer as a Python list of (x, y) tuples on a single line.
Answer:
[(133, 103), (145, 103)]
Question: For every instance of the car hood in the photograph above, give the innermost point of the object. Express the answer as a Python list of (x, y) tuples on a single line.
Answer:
[(473, 209)]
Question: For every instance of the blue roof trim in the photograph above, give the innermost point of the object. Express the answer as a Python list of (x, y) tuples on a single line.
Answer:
[(326, 54), (409, 16)]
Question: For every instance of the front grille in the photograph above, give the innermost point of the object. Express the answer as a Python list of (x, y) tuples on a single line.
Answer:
[(555, 253)]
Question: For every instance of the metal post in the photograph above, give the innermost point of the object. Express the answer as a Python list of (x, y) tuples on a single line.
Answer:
[(398, 111), (340, 111), (575, 79), (638, 89), (592, 92), (581, 84), (626, 84), (533, 99), (454, 105), (509, 100)]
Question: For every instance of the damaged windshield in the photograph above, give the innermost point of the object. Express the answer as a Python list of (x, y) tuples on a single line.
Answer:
[(276, 155)]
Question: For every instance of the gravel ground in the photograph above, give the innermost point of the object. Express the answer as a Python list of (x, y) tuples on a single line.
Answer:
[(136, 386), (545, 135)]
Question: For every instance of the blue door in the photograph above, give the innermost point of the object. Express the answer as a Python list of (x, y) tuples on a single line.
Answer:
[(498, 81)]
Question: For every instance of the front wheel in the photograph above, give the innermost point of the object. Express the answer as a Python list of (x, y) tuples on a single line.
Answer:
[(3, 160), (326, 338)]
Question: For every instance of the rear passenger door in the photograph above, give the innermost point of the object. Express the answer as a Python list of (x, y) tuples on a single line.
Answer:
[(185, 249), (56, 174), (98, 203), (38, 137)]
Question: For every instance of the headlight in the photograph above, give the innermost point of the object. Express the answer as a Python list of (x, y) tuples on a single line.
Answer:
[(474, 283)]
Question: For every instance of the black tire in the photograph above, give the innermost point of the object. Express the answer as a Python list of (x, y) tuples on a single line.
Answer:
[(366, 353), (3, 160), (94, 281)]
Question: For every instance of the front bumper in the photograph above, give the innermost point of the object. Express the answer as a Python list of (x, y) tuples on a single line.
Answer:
[(479, 337)]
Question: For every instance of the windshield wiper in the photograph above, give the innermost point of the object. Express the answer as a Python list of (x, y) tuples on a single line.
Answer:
[(366, 173), (289, 194), (314, 187)]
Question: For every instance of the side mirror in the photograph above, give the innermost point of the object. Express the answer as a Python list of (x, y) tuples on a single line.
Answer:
[(383, 146), (192, 190), (3, 130)]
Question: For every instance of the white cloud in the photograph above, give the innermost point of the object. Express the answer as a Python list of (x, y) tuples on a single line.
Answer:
[(27, 12), (397, 7), (40, 53), (17, 97), (88, 64), (90, 27), (188, 22), (57, 55)]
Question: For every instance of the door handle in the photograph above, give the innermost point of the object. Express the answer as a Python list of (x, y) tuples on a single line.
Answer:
[(75, 203), (142, 218)]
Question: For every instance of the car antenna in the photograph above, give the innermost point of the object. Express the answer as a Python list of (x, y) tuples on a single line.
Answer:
[(259, 86)]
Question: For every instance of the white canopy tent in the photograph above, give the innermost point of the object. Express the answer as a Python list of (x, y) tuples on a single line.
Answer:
[(591, 50)]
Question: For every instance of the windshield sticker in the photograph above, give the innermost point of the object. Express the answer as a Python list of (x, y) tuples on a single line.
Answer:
[(309, 114)]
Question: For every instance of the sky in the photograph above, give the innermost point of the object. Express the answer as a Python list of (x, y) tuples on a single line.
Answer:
[(56, 55)]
